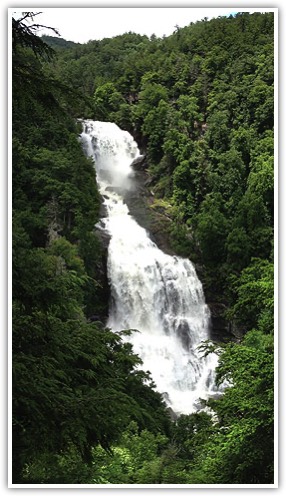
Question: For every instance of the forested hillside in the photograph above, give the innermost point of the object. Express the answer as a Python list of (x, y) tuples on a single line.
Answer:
[(75, 384), (200, 105), (200, 102)]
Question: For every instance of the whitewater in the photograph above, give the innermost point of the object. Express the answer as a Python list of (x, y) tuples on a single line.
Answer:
[(157, 295)]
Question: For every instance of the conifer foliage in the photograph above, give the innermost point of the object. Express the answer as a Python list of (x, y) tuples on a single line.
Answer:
[(200, 104), (71, 378)]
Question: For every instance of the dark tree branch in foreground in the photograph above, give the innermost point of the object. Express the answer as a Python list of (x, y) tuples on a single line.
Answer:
[(24, 35)]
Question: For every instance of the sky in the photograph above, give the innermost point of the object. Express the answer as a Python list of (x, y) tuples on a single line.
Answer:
[(83, 24)]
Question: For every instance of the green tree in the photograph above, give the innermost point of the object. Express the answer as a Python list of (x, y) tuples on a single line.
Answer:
[(254, 303), (200, 104), (76, 385), (241, 449), (107, 100), (211, 229)]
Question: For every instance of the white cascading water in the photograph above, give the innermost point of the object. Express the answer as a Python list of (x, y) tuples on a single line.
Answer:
[(157, 294)]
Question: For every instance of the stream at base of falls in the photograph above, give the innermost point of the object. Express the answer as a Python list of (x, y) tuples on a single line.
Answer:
[(158, 295)]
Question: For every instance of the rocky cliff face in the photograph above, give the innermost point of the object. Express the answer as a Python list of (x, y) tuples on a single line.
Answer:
[(141, 203), (142, 206)]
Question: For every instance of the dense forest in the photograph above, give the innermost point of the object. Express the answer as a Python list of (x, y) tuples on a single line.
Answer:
[(200, 105)]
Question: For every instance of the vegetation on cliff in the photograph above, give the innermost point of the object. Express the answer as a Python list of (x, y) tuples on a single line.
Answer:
[(76, 385), (200, 104)]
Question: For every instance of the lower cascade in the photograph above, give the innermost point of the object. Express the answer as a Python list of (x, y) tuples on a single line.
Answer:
[(158, 295)]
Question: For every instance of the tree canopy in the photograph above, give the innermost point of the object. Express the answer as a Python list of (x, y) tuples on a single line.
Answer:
[(76, 385), (200, 104)]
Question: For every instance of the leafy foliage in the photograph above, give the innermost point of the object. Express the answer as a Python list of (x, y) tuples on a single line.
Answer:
[(76, 385), (200, 105), (240, 451)]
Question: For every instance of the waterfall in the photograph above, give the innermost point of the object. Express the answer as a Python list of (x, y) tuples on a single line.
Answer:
[(158, 295)]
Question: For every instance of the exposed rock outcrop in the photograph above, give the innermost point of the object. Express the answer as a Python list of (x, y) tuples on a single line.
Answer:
[(140, 202), (142, 206), (221, 328), (139, 163)]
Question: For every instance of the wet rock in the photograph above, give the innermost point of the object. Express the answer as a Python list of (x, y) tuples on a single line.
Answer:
[(140, 201), (221, 328), (184, 335), (139, 163), (104, 238), (102, 210), (116, 189)]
